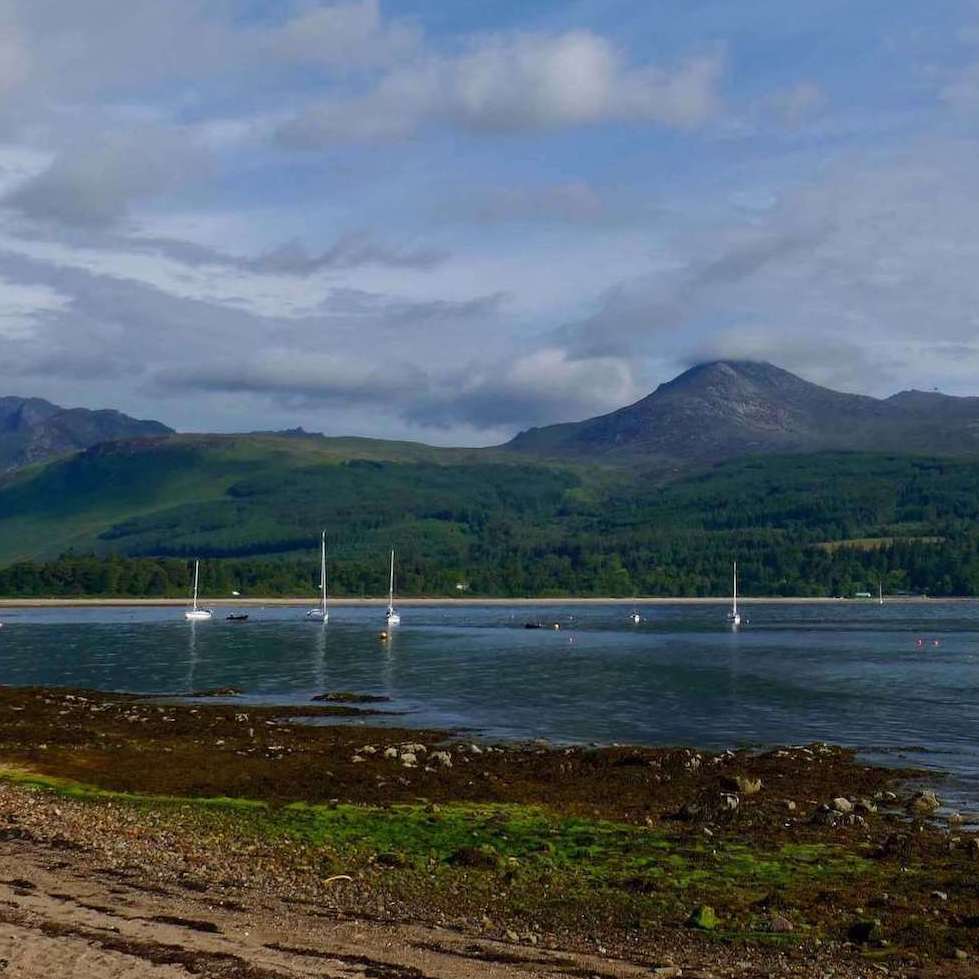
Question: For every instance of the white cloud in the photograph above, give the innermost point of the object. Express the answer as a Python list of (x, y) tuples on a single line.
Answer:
[(94, 182), (521, 82), (537, 388), (869, 264), (343, 34)]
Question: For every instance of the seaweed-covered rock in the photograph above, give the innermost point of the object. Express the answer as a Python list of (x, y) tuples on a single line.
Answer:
[(865, 931), (743, 784), (703, 917), (475, 857), (924, 803)]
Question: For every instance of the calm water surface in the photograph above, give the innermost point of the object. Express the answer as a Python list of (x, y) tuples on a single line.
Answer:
[(899, 681)]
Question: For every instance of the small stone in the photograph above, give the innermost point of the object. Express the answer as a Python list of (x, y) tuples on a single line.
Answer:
[(409, 759), (842, 805), (790, 805), (442, 758), (391, 753), (728, 802), (512, 935), (356, 759), (780, 925), (667, 971), (961, 954), (939, 895)]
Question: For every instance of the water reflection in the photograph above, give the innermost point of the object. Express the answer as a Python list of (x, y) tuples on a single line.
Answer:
[(189, 686), (319, 657)]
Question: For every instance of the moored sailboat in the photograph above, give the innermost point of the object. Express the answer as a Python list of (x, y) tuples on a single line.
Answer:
[(734, 616), (194, 613), (321, 614)]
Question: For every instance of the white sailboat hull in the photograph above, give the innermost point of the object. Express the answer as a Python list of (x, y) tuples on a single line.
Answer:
[(391, 617), (318, 615), (197, 614)]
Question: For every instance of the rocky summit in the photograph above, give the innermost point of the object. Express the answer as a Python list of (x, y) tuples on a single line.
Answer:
[(727, 409), (35, 430)]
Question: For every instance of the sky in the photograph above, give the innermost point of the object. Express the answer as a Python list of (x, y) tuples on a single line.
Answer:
[(451, 221)]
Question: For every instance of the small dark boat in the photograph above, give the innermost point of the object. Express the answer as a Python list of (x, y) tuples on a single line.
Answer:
[(237, 617)]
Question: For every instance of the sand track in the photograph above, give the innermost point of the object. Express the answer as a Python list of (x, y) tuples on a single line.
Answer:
[(61, 915)]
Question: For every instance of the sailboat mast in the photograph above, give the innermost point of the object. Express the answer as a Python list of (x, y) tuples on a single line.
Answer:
[(197, 568), (391, 584), (323, 570), (735, 609)]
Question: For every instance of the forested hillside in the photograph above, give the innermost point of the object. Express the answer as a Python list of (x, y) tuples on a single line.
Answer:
[(818, 524)]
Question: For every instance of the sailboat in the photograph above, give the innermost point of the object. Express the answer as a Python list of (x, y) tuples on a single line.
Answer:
[(635, 616), (880, 592), (734, 616), (391, 617), (194, 613), (321, 614)]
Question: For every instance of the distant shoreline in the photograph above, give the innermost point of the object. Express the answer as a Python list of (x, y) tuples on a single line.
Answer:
[(416, 602)]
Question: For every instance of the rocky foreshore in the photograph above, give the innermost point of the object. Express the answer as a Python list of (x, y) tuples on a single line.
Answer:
[(202, 827)]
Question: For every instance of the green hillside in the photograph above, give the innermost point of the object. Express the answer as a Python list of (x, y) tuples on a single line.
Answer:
[(265, 495), (252, 507)]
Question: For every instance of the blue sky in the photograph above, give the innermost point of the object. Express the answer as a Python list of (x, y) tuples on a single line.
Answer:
[(451, 221)]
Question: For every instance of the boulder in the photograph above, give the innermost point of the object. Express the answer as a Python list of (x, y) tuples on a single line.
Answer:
[(924, 803)]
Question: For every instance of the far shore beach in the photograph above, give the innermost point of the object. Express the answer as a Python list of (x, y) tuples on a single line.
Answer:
[(406, 602)]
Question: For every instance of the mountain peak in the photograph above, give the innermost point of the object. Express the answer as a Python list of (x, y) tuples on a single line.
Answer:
[(33, 430), (727, 408)]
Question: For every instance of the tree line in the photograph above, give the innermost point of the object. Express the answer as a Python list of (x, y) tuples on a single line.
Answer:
[(697, 565)]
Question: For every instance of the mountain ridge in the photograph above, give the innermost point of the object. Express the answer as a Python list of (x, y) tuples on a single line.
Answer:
[(710, 413), (35, 430), (728, 408)]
